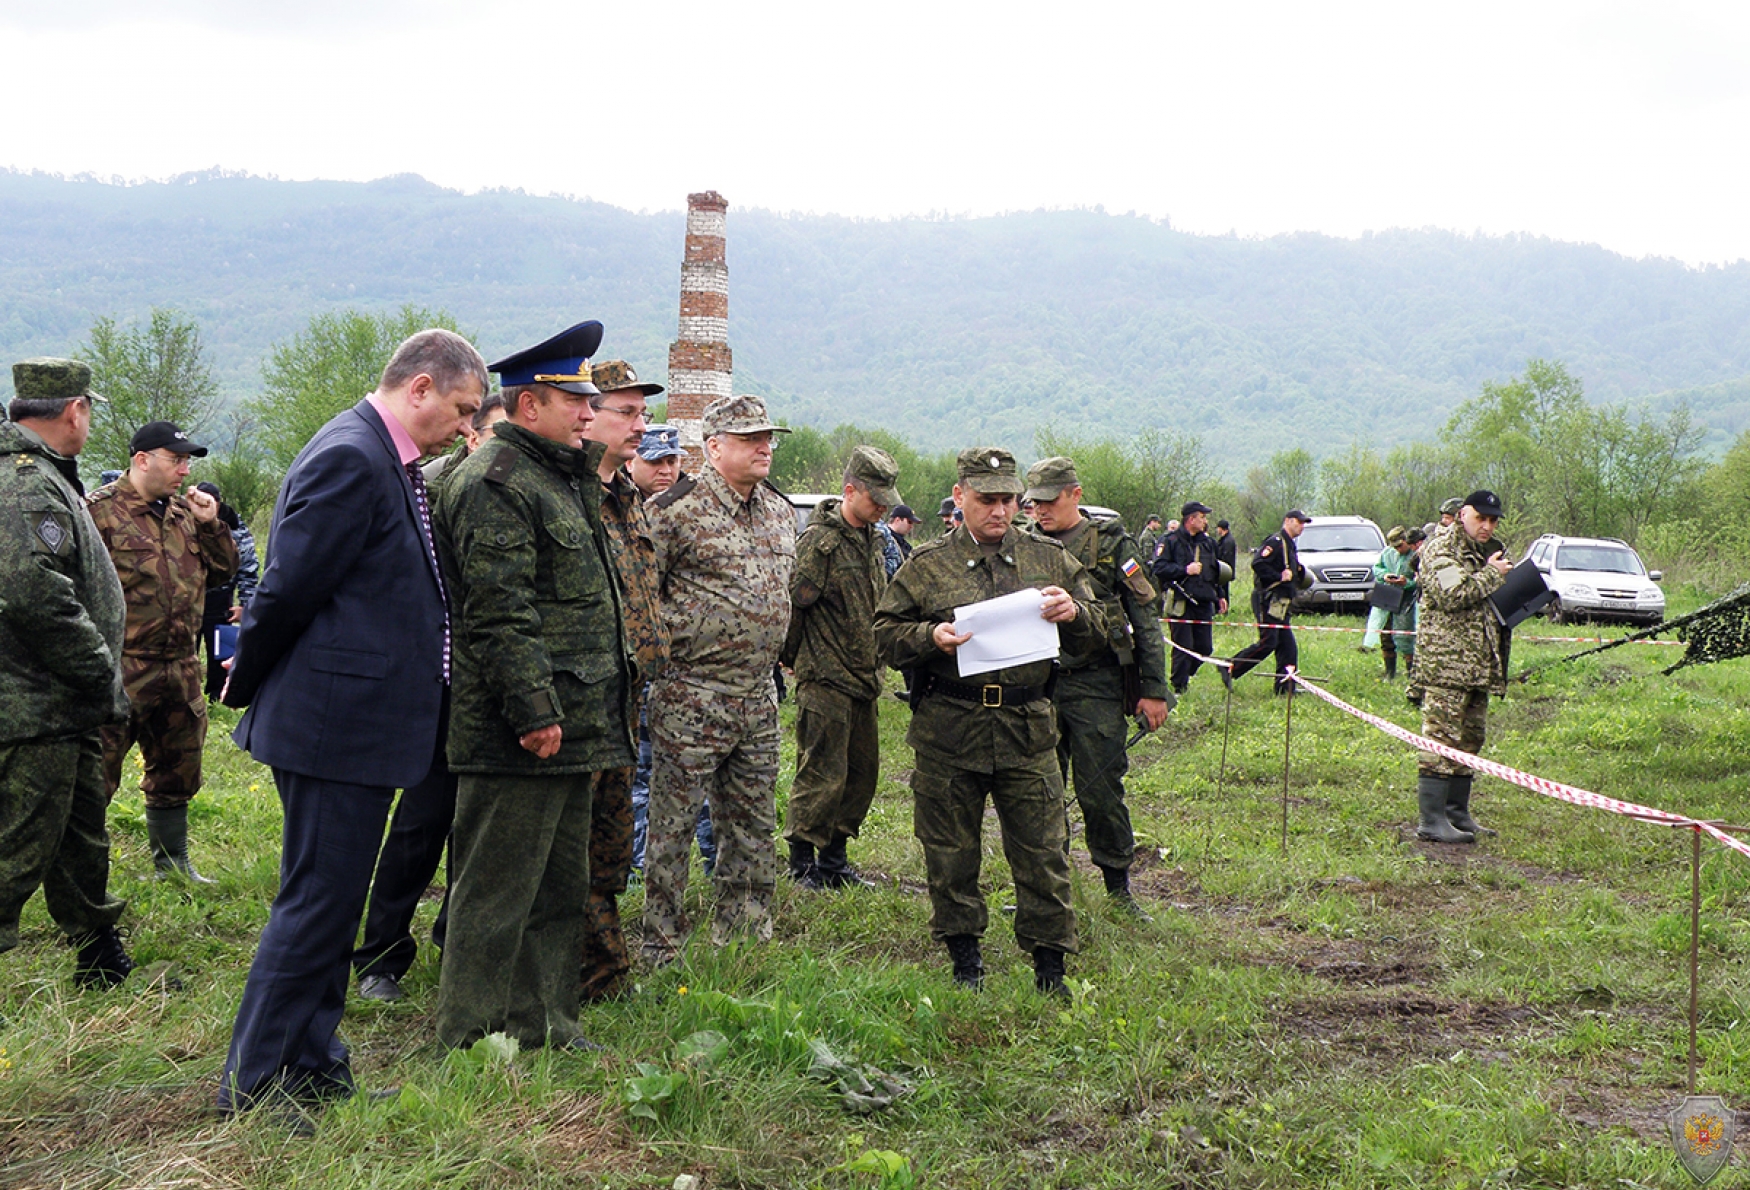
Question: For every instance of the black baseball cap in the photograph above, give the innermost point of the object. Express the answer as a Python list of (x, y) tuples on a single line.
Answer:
[(1484, 503), (1295, 514), (1192, 506), (164, 435)]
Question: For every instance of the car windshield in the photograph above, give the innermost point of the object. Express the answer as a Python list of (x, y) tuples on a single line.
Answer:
[(1609, 559), (1324, 539)]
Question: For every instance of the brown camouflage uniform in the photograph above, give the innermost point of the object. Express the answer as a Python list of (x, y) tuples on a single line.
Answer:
[(725, 566), (1459, 659), (605, 961), (839, 574), (166, 561)]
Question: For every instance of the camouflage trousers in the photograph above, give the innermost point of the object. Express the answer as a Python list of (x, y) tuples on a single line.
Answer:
[(52, 834), (838, 759), (167, 716), (605, 961), (725, 748), (1456, 718), (948, 819), (1090, 747), (521, 856)]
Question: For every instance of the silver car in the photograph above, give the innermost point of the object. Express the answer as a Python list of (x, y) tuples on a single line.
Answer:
[(1338, 553), (1598, 578)]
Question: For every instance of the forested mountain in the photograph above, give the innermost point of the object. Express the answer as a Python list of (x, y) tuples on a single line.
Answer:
[(941, 331)]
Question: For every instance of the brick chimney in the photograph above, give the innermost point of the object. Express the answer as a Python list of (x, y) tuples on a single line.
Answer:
[(699, 364)]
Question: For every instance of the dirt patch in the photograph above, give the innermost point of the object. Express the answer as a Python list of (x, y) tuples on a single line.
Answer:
[(1402, 1021)]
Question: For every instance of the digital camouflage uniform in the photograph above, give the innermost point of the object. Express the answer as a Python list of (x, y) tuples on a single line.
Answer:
[(840, 571), (605, 961), (725, 565), (61, 630), (1091, 717), (166, 560), (1459, 659), (969, 750), (539, 640)]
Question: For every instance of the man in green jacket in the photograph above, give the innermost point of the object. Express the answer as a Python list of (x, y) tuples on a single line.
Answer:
[(539, 695), (62, 619), (1091, 701), (1459, 661), (993, 735), (839, 574)]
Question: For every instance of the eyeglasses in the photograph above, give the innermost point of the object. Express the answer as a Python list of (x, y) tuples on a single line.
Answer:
[(629, 412)]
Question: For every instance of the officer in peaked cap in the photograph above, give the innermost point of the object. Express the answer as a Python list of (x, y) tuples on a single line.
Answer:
[(562, 361), (540, 701), (990, 737)]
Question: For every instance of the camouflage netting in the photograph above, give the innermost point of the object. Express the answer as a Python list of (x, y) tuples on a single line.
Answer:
[(1718, 632)]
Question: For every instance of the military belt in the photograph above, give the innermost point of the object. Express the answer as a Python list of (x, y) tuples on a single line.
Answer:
[(989, 695)]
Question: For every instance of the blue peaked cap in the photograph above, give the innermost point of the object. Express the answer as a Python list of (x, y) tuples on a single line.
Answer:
[(562, 361)]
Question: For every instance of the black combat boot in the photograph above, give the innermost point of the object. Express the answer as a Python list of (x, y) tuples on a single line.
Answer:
[(1048, 972), (1391, 666), (836, 870), (167, 832), (1118, 888), (968, 962), (803, 869), (1458, 806), (101, 962), (1431, 799)]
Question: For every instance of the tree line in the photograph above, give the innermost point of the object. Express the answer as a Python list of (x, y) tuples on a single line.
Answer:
[(1560, 463)]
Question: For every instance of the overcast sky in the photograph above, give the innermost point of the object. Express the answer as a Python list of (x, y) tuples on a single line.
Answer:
[(1619, 124)]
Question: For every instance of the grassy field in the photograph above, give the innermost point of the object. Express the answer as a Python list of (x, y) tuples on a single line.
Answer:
[(1359, 1011)]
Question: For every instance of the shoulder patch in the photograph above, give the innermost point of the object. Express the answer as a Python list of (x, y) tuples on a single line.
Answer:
[(1264, 552), (503, 463), (1448, 575), (682, 486)]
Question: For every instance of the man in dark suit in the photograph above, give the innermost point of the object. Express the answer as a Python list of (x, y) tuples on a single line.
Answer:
[(343, 661)]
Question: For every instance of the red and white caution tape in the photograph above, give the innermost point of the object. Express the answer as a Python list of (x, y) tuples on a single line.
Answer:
[(1566, 793), (1565, 640)]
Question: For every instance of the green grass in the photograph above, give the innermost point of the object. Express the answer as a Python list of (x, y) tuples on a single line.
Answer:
[(1360, 1011)]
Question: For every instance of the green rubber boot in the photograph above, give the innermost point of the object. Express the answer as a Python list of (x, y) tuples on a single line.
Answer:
[(167, 833), (1458, 806), (1431, 799)]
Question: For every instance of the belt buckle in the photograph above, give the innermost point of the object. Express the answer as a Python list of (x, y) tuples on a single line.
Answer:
[(989, 692)]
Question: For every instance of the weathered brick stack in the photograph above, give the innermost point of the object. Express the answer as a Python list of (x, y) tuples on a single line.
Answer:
[(699, 365)]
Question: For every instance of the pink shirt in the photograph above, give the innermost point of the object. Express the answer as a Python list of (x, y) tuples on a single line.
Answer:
[(404, 444)]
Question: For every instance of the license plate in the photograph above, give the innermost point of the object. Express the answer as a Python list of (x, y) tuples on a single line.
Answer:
[(1348, 596), (1617, 605)]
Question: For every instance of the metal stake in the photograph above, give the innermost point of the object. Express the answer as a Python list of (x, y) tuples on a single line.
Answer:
[(1287, 740), (1694, 945)]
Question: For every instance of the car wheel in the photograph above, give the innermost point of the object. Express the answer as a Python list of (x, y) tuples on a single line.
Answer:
[(1556, 615)]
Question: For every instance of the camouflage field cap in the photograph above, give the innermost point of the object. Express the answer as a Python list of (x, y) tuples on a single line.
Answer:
[(1047, 479), (738, 415), (616, 375), (990, 470), (876, 470), (47, 378), (1451, 507), (1394, 535)]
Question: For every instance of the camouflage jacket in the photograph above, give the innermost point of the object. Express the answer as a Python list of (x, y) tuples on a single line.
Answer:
[(630, 533), (1133, 635), (840, 572), (535, 609), (725, 565), (166, 562), (953, 571), (61, 610), (1458, 638)]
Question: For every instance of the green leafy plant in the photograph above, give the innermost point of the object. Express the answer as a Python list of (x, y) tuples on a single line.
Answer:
[(648, 1094)]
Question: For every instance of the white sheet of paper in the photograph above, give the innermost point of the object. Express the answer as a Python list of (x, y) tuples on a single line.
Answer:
[(1007, 630)]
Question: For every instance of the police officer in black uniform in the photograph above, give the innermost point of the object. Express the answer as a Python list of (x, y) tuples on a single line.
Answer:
[(1276, 572), (1190, 579)]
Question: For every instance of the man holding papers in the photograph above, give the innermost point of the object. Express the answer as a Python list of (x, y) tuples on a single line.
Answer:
[(982, 722)]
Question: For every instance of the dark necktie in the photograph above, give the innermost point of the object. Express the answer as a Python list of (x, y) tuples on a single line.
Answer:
[(417, 477)]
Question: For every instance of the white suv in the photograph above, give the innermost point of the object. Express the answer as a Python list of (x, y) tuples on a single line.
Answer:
[(1339, 553), (1599, 578)]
